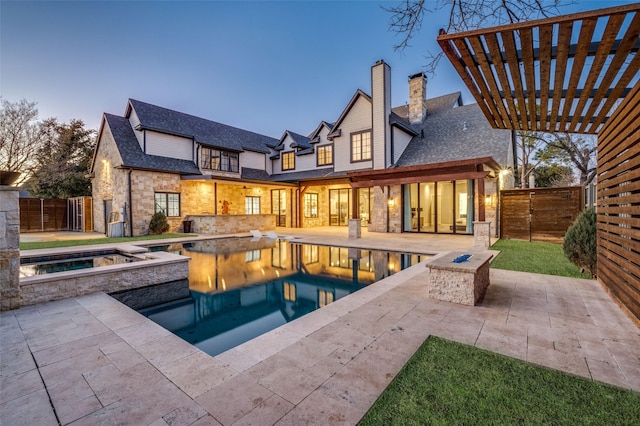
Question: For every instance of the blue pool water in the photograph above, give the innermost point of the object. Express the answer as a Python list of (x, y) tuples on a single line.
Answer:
[(239, 289)]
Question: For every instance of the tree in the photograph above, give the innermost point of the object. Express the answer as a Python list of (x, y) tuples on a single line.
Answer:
[(20, 137), (553, 175), (577, 150), (528, 145), (63, 160), (407, 17)]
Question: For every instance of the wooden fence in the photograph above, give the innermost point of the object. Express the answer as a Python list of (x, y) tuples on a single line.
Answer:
[(42, 215), (539, 214), (618, 204)]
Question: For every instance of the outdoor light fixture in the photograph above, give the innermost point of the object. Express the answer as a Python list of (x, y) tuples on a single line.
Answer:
[(391, 202), (487, 200)]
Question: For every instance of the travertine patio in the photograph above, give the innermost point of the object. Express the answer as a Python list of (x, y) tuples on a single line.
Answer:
[(91, 360)]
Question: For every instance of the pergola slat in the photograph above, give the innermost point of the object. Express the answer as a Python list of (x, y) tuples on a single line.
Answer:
[(526, 39), (494, 50), (546, 38), (564, 39)]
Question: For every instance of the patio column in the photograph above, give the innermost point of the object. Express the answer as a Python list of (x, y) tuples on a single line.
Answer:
[(481, 234), (9, 248), (355, 223)]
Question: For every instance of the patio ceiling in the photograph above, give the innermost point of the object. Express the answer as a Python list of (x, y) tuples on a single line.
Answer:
[(566, 73)]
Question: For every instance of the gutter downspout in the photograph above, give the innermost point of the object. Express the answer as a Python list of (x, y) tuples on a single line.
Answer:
[(130, 207)]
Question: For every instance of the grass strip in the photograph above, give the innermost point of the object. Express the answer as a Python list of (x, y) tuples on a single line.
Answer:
[(70, 243), (537, 257), (450, 383)]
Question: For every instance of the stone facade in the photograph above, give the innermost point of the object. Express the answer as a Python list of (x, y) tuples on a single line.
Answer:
[(9, 248), (162, 268), (232, 223), (417, 98), (482, 235)]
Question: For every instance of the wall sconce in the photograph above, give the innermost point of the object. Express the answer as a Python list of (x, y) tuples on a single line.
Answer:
[(487, 200), (391, 202), (391, 266)]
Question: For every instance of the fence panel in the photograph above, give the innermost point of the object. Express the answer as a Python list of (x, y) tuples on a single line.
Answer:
[(539, 214), (42, 215)]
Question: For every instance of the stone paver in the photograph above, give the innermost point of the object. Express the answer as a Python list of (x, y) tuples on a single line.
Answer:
[(96, 361)]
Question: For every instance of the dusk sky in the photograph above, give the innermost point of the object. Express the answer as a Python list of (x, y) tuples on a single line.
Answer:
[(264, 66)]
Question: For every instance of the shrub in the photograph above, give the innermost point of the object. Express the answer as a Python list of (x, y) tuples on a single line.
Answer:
[(158, 223), (580, 242)]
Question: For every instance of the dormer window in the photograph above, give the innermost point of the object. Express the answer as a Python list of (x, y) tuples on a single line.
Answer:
[(325, 155), (288, 160), (217, 159)]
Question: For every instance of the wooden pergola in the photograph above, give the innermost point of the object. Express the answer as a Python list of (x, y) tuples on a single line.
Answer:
[(579, 74), (559, 74)]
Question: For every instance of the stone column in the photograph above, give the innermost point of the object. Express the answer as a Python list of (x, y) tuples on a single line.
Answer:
[(9, 248), (482, 235), (355, 230)]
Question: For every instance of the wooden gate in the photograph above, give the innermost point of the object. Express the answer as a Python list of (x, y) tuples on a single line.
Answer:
[(42, 215), (539, 214)]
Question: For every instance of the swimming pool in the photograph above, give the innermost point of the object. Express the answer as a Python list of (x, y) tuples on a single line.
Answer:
[(240, 289)]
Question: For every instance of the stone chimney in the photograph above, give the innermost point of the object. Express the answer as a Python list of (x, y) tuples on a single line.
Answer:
[(417, 98)]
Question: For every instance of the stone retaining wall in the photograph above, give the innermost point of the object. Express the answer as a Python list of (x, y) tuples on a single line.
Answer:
[(159, 268), (231, 223)]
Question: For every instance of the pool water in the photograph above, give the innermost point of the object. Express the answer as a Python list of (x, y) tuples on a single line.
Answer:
[(51, 264), (240, 289)]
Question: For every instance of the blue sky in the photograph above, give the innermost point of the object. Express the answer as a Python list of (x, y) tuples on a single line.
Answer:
[(265, 66)]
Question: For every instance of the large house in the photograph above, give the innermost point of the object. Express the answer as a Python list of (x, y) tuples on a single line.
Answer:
[(432, 165)]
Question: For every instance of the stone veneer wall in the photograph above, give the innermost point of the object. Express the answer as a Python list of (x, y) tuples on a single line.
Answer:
[(232, 223), (9, 248), (381, 210), (62, 285), (144, 185)]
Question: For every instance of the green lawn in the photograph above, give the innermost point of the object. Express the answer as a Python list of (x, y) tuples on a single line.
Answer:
[(451, 383), (541, 258), (71, 243)]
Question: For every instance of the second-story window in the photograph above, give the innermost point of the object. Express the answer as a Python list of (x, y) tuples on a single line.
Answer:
[(361, 146), (288, 160), (217, 159), (325, 155)]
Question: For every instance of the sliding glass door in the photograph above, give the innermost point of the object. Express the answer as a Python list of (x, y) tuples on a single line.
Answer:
[(339, 207), (444, 207)]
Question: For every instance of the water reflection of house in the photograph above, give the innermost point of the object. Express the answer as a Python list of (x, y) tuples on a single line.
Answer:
[(432, 165)]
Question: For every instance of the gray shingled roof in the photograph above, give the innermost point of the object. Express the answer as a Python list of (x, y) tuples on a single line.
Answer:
[(204, 131), (301, 141), (305, 175), (132, 155), (254, 174), (452, 134)]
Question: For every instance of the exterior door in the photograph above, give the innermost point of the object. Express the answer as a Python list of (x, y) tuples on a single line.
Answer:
[(339, 206), (279, 206)]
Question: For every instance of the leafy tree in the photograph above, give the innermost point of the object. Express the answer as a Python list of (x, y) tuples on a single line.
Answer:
[(553, 175), (576, 150), (407, 17), (580, 245), (20, 137), (63, 160)]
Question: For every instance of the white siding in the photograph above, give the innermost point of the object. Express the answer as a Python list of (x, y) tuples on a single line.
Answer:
[(252, 160), (400, 142), (358, 119), (169, 146), (381, 98), (135, 121), (305, 162)]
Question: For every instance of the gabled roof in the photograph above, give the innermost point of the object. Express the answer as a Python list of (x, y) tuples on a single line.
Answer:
[(314, 136), (204, 131), (454, 134), (336, 126), (401, 123), (299, 141), (132, 155)]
